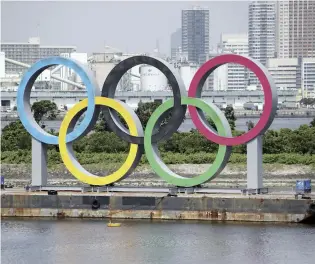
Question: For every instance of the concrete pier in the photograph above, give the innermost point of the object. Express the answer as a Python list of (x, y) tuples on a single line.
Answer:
[(219, 207)]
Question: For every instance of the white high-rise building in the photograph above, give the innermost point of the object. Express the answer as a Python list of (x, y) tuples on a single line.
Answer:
[(282, 29), (236, 74), (261, 32)]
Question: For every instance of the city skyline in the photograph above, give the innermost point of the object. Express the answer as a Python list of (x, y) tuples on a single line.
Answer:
[(190, 42), (128, 38)]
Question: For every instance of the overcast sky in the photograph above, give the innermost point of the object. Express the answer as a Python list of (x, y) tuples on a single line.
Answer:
[(128, 26)]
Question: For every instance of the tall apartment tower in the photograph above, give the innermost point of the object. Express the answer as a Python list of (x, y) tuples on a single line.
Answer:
[(261, 32), (295, 28), (235, 74), (195, 34)]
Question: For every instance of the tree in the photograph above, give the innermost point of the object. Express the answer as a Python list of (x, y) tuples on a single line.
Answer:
[(145, 110), (101, 124), (44, 109), (14, 137), (230, 116), (250, 125), (312, 124), (307, 101), (272, 143)]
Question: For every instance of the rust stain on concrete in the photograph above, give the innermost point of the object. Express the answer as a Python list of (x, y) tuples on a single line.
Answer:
[(157, 214), (61, 215), (184, 207)]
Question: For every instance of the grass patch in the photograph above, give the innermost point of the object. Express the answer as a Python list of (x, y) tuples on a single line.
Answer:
[(114, 160)]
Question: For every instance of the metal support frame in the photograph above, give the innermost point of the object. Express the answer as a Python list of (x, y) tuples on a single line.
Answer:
[(39, 163), (254, 176), (254, 164), (255, 191), (51, 73)]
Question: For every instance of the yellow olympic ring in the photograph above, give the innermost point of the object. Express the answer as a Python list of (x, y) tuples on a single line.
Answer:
[(76, 169)]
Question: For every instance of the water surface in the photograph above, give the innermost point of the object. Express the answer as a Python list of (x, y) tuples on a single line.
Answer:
[(145, 242), (278, 123)]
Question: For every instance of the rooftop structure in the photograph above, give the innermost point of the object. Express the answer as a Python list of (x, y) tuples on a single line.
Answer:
[(30, 52)]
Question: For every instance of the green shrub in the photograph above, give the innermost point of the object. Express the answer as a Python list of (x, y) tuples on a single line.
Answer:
[(285, 146)]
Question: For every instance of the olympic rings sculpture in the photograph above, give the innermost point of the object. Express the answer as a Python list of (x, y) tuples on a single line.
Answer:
[(145, 141)]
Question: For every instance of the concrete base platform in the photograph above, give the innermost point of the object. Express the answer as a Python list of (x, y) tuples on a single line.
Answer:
[(196, 206), (122, 189)]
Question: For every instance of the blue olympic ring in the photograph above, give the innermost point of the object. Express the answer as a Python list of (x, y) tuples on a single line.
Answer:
[(23, 99)]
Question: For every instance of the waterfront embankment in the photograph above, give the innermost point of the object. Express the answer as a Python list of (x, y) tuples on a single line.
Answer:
[(196, 206)]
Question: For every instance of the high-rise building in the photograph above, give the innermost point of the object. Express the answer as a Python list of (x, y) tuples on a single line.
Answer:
[(176, 43), (261, 32), (296, 28), (29, 53), (195, 34), (230, 76), (236, 74), (282, 29)]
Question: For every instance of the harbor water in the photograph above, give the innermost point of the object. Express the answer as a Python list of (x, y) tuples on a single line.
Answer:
[(278, 123), (154, 242)]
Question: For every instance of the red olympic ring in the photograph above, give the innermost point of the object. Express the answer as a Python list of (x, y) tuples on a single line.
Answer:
[(267, 83)]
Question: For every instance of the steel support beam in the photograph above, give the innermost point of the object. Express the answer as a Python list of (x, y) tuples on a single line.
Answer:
[(51, 75), (255, 164), (39, 163)]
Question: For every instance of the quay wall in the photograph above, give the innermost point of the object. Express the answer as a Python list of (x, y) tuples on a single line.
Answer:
[(260, 208)]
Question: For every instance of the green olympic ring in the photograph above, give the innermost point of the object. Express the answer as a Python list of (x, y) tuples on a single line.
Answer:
[(152, 153)]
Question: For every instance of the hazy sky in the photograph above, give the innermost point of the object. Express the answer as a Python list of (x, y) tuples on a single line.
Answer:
[(128, 26)]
